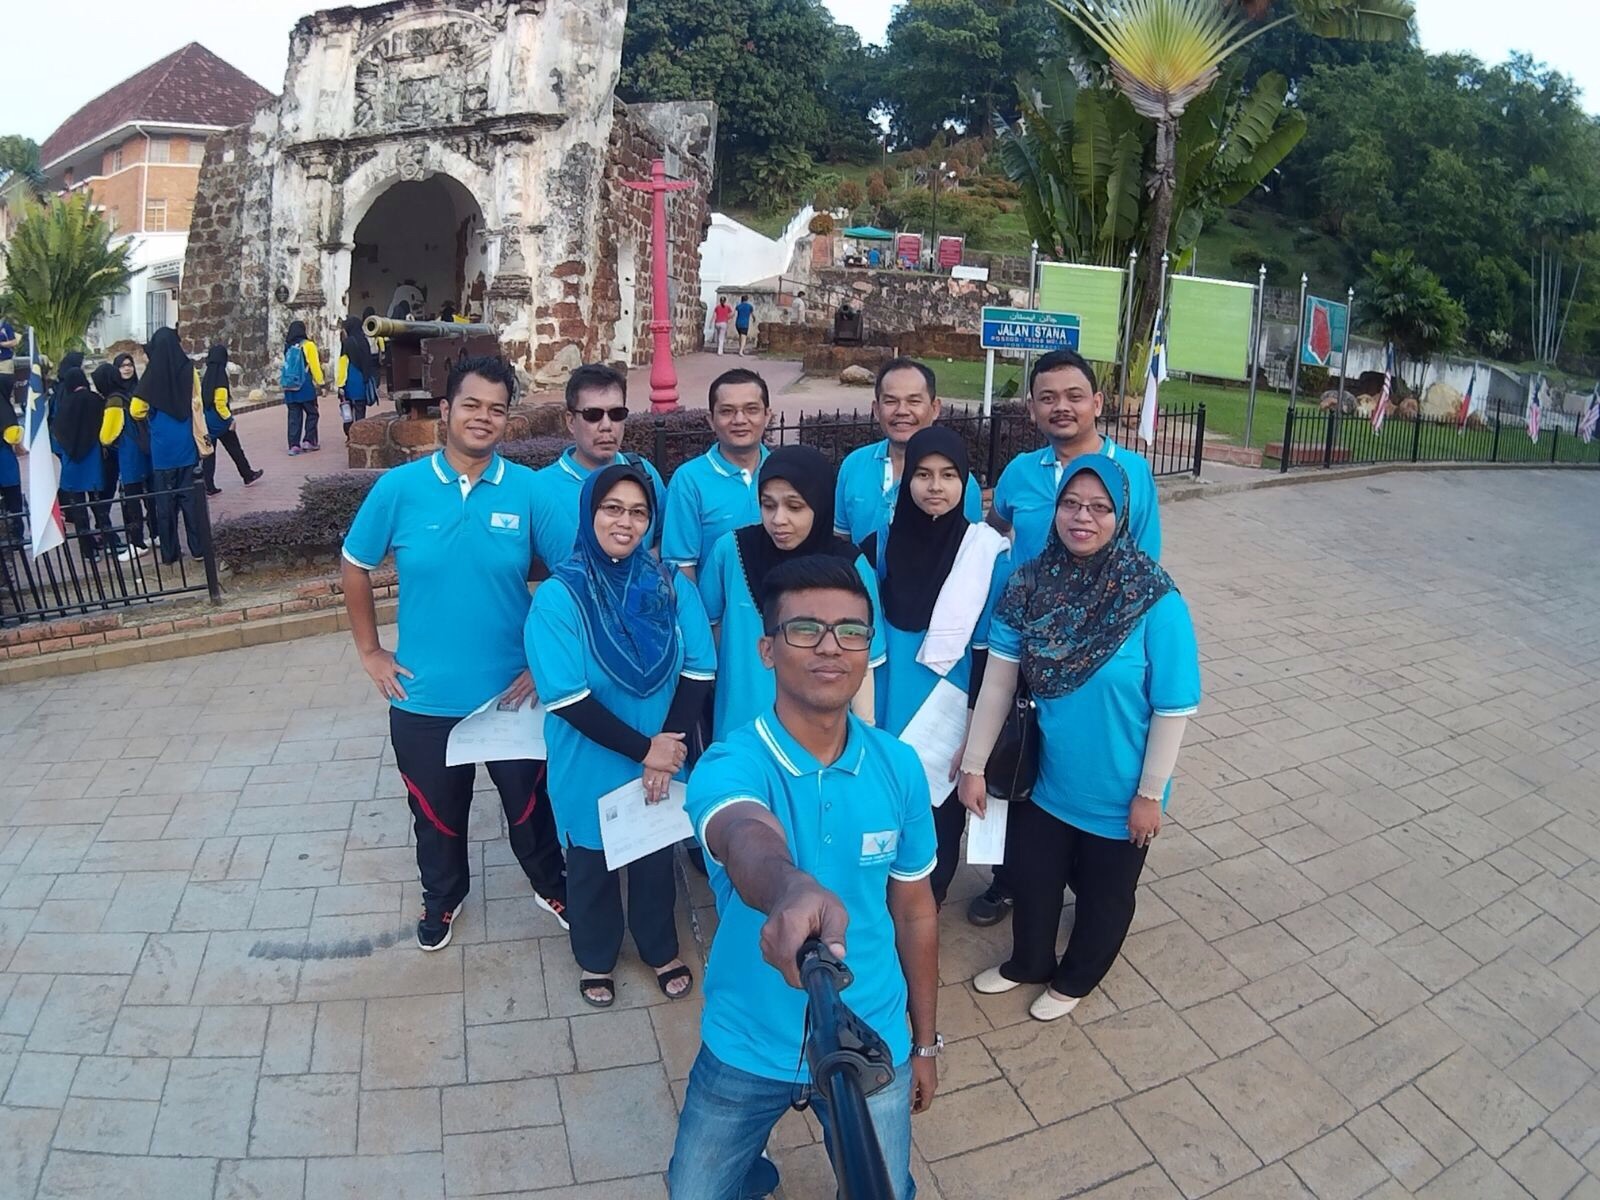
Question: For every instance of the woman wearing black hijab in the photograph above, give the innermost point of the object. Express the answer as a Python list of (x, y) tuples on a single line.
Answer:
[(169, 396), (215, 396), (125, 456), (357, 376), (80, 428), (301, 379)]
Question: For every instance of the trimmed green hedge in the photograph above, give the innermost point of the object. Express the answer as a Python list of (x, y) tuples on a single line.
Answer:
[(309, 533)]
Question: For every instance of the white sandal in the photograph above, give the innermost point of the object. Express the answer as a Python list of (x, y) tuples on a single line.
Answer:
[(992, 983), (1050, 1008)]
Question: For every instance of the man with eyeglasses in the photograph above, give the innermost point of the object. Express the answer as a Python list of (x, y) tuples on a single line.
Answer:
[(905, 400), (816, 826), (597, 413)]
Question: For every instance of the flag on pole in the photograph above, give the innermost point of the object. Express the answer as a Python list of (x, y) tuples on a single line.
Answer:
[(1466, 401), (1153, 380), (1382, 409), (1591, 417), (1536, 408), (47, 528)]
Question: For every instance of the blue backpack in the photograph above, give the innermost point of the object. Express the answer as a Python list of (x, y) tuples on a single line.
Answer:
[(295, 373)]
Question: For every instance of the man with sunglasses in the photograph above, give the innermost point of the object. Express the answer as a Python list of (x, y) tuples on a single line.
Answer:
[(816, 826), (597, 412)]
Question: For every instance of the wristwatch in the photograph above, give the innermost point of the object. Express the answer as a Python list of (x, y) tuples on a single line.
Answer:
[(932, 1051)]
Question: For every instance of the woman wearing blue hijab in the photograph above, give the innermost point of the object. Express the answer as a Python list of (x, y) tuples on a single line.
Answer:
[(1104, 642), (622, 655)]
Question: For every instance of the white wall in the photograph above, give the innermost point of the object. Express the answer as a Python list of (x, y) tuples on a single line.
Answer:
[(734, 255)]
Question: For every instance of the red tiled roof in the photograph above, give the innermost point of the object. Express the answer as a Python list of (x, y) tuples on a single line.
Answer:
[(191, 86)]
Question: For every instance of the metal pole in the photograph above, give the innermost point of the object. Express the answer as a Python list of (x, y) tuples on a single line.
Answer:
[(988, 383), (1344, 355), (1033, 302), (1299, 338), (1161, 289), (1127, 326), (1255, 353)]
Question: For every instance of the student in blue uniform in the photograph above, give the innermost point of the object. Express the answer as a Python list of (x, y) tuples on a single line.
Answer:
[(716, 493), (80, 426), (597, 412), (216, 396), (168, 395), (11, 411), (457, 525), (302, 382), (816, 826), (115, 381), (905, 400), (622, 655), (1104, 642), (357, 374), (796, 521), (940, 576)]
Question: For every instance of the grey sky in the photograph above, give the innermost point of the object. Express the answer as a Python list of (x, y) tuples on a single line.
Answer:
[(40, 90)]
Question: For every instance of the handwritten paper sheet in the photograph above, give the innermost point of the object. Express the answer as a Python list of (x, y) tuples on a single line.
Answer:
[(631, 829), (935, 732), (491, 733), (986, 839)]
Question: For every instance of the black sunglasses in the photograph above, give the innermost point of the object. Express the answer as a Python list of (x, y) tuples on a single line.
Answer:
[(595, 415)]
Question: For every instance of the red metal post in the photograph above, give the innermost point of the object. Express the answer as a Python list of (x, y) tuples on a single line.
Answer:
[(663, 373)]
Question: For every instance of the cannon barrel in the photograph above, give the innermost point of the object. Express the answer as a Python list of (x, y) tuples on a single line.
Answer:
[(384, 327)]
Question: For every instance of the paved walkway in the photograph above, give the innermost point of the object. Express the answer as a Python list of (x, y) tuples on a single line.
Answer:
[(1366, 960)]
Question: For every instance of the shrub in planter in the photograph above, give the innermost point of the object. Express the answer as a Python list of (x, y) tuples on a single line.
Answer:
[(685, 434), (534, 452), (314, 530)]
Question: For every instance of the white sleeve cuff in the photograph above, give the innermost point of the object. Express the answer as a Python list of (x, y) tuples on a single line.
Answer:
[(913, 876), (356, 562), (564, 701), (1003, 656), (725, 802)]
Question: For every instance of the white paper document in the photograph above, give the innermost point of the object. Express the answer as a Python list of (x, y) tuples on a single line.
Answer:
[(935, 732), (491, 733), (986, 839), (630, 828)]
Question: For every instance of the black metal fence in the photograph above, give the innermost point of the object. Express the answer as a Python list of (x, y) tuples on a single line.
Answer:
[(100, 567), (1312, 438), (992, 441)]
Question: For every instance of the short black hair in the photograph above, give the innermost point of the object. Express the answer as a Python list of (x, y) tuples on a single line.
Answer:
[(810, 573), (745, 297), (902, 363), (1055, 361), (736, 376), (490, 367), (594, 377)]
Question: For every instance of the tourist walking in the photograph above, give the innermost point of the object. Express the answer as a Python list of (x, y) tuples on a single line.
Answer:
[(168, 396), (797, 309), (814, 826), (716, 492), (216, 398), (940, 576), (454, 522), (115, 381), (357, 375), (10, 468), (1098, 634), (741, 322), (905, 400), (720, 316), (796, 496), (80, 426), (302, 382), (623, 658)]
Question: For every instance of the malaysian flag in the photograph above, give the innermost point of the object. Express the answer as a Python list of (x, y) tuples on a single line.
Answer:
[(1591, 417), (1382, 410), (1153, 380), (1466, 401), (47, 527), (1536, 407)]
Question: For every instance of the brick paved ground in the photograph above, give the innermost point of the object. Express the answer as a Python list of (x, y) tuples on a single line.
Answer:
[(1366, 960)]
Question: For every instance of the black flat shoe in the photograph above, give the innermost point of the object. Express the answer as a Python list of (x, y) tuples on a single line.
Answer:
[(599, 983)]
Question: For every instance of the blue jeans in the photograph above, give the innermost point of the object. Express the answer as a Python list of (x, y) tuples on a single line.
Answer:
[(728, 1113)]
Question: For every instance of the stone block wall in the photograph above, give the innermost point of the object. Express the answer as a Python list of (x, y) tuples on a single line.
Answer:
[(899, 302), (390, 440)]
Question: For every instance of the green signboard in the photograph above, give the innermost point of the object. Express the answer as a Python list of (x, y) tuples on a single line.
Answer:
[(1094, 294), (1208, 327)]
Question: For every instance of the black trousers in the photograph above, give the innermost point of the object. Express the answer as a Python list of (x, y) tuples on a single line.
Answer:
[(229, 441), (441, 801), (138, 509), (82, 507), (174, 495), (302, 422), (594, 908), (11, 500), (1044, 857), (358, 412), (949, 823)]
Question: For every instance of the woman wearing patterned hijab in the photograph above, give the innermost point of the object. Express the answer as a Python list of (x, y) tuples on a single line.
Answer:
[(1102, 639)]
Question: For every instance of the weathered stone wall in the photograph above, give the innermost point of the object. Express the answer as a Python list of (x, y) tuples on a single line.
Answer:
[(894, 302)]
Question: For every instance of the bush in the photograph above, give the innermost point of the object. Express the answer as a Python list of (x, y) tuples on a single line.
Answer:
[(535, 452), (851, 195), (1249, 258), (821, 224), (684, 435), (959, 212), (877, 189), (314, 529)]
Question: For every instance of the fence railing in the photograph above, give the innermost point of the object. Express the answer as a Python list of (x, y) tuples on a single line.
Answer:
[(1312, 438), (97, 568), (992, 441)]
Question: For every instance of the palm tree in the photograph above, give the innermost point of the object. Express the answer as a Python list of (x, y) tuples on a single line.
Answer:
[(60, 267), (1164, 54)]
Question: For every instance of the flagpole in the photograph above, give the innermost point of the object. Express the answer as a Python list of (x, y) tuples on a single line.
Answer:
[(1344, 354), (1127, 327), (1255, 352), (1299, 340)]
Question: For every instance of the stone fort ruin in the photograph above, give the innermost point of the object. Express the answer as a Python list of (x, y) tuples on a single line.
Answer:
[(474, 148)]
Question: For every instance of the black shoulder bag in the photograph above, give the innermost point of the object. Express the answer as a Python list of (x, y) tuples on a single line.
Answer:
[(1013, 765)]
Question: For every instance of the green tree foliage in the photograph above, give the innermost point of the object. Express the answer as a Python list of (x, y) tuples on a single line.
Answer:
[(60, 267), (1407, 305), (20, 155)]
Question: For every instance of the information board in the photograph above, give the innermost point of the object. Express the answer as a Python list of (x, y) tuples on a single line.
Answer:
[(1094, 295), (1030, 329)]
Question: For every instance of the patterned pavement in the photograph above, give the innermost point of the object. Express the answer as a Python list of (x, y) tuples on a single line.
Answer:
[(1366, 960)]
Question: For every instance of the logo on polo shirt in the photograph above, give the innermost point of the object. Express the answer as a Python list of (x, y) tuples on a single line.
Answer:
[(879, 847), (508, 521)]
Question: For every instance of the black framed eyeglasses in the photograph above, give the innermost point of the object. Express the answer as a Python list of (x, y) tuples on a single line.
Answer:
[(803, 633), (594, 416)]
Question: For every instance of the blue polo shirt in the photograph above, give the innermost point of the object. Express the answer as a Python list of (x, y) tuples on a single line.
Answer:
[(708, 496), (742, 315), (853, 826), (557, 642), (462, 551), (556, 492), (745, 686), (1093, 739), (1026, 492), (904, 683), (863, 498)]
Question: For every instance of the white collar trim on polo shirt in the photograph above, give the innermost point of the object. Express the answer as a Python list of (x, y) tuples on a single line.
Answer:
[(493, 474), (786, 761), (1047, 456), (722, 465)]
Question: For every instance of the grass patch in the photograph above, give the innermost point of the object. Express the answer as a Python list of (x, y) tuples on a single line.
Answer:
[(1298, 247)]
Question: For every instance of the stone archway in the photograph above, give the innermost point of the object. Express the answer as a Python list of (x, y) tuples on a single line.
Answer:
[(429, 231)]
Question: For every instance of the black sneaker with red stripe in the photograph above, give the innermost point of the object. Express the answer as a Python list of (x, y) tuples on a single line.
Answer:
[(433, 931), (555, 904)]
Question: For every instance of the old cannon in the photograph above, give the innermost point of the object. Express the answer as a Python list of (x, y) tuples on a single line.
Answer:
[(419, 355)]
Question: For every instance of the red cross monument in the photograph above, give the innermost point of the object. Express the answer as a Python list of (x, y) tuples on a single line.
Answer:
[(663, 374)]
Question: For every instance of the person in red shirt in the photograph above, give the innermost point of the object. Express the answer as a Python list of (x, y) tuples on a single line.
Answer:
[(720, 316)]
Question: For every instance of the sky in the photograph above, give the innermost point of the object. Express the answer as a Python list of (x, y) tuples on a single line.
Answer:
[(37, 95)]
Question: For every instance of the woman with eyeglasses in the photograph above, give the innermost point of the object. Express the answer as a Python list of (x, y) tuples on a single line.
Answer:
[(796, 486), (623, 659), (940, 575), (1104, 643)]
